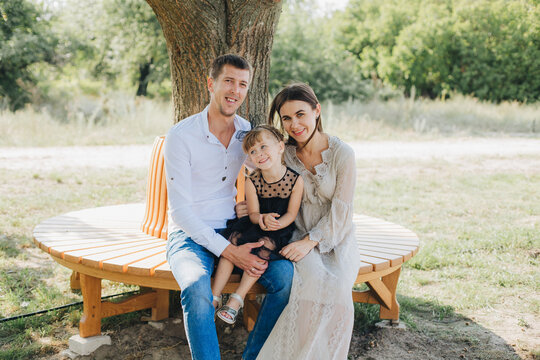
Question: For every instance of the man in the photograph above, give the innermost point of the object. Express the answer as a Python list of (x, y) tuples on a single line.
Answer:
[(203, 155)]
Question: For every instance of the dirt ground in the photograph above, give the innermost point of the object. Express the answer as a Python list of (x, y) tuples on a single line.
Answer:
[(456, 337)]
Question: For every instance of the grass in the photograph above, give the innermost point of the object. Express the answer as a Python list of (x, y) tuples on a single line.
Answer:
[(408, 119), (479, 226), (118, 119), (479, 231)]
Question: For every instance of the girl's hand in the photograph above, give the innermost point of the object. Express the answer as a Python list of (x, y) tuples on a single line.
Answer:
[(296, 251), (268, 222), (241, 209)]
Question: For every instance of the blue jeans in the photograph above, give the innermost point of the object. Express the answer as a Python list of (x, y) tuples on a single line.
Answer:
[(192, 266)]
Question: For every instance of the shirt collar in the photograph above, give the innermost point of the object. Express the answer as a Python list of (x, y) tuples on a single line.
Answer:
[(211, 137)]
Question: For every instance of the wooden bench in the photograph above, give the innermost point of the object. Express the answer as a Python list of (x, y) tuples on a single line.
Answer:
[(126, 243)]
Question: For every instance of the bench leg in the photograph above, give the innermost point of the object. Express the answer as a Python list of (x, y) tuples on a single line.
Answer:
[(75, 281), (160, 310), (251, 310), (90, 324), (392, 313)]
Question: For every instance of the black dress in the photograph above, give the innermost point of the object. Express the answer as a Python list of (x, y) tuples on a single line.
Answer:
[(273, 198)]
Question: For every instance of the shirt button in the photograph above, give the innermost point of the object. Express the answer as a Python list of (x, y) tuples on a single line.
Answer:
[(223, 178)]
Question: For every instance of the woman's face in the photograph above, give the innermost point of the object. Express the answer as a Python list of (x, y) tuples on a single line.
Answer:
[(299, 119)]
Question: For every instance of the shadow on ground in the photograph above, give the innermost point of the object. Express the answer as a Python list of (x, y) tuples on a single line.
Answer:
[(432, 332)]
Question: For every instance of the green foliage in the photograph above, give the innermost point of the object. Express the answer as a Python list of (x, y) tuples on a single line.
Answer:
[(25, 39), (489, 49), (119, 43), (305, 50)]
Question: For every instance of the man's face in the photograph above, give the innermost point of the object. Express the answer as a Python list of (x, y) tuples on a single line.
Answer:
[(229, 90)]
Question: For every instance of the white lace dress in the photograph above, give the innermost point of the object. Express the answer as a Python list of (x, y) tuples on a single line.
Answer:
[(317, 323)]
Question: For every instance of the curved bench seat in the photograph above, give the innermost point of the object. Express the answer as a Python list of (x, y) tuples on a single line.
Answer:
[(108, 243)]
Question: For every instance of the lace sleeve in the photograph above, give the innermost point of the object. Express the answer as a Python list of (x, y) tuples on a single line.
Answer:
[(334, 226)]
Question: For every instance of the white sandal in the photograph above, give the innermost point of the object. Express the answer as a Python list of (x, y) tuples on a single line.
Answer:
[(233, 313)]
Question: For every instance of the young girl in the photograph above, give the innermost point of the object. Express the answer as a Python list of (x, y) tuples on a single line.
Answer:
[(273, 194)]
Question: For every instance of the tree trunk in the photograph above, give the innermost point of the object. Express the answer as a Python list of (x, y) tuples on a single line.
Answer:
[(197, 31)]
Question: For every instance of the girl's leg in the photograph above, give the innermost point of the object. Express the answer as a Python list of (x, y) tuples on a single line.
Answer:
[(246, 283), (222, 275)]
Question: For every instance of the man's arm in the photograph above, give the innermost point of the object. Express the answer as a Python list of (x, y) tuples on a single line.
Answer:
[(179, 189)]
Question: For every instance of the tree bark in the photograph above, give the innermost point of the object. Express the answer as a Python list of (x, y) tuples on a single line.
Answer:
[(198, 31)]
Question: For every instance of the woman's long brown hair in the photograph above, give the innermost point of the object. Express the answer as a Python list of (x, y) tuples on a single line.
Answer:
[(298, 91)]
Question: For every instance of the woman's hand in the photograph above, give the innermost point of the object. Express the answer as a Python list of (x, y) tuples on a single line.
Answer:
[(296, 251), (268, 222)]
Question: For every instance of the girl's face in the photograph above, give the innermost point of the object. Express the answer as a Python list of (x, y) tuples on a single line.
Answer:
[(299, 119), (267, 152)]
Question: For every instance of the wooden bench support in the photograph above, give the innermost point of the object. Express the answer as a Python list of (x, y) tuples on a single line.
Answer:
[(391, 312), (90, 324), (75, 281), (251, 310), (94, 309), (382, 291)]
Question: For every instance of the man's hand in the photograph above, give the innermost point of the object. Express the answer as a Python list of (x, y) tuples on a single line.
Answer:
[(241, 209), (269, 222), (296, 251), (242, 257)]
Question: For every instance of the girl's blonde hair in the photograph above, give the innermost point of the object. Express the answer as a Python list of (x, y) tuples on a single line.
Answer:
[(255, 135)]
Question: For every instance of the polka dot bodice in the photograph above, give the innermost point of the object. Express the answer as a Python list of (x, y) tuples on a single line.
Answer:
[(279, 189)]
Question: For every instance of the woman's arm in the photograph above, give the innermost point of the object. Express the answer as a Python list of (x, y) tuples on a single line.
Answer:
[(335, 225)]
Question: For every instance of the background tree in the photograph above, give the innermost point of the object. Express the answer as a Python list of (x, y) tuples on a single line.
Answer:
[(25, 39), (306, 49), (196, 32), (119, 42), (489, 49)]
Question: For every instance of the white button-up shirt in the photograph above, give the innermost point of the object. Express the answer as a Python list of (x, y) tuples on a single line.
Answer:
[(201, 174)]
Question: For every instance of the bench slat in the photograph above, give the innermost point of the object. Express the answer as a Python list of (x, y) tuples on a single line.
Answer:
[(84, 227), (406, 254), (365, 268), (146, 266), (163, 271), (121, 263), (397, 240), (84, 242), (386, 232), (70, 236), (394, 259), (378, 263), (389, 245), (59, 250), (105, 252)]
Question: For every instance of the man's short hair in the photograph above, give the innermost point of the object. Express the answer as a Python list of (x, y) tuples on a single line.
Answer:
[(228, 59)]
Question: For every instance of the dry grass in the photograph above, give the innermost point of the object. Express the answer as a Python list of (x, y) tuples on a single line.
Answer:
[(118, 119)]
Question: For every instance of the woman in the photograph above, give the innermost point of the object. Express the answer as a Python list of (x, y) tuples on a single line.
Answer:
[(318, 321)]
